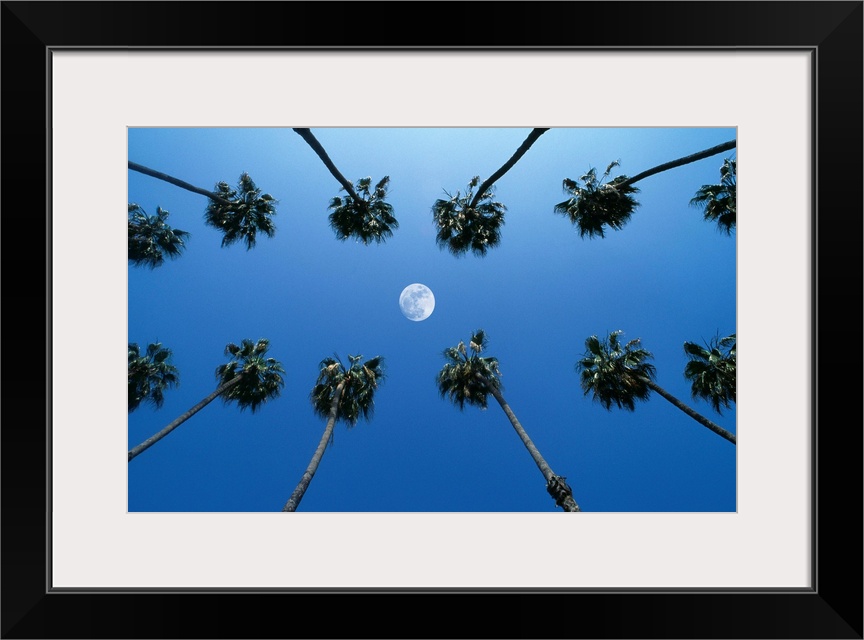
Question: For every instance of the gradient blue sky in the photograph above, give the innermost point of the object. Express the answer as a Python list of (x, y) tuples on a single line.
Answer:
[(667, 277)]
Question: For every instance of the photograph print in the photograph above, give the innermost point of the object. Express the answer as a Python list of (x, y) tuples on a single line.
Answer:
[(432, 319)]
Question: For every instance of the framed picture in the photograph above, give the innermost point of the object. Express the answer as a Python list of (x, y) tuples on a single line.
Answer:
[(774, 564)]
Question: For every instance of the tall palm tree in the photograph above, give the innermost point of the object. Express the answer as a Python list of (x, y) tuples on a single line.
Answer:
[(463, 228), (340, 393), (473, 222), (248, 379), (240, 214), (598, 204), (248, 213), (711, 371), (470, 378), (719, 201), (595, 204), (150, 375), (620, 374), (363, 214), (151, 239)]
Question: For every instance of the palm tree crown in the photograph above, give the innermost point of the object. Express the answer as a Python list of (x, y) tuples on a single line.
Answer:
[(471, 378), (466, 223), (339, 393), (468, 378), (598, 203), (719, 201), (248, 378), (615, 373), (473, 223), (358, 393), (151, 239), (620, 374), (241, 213), (150, 375), (711, 371), (260, 377), (363, 213), (595, 203)]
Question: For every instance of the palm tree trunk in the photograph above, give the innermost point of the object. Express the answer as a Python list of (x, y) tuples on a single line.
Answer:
[(705, 422), (300, 490), (555, 484), (672, 164), (312, 141), (177, 182), (149, 442), (532, 137)]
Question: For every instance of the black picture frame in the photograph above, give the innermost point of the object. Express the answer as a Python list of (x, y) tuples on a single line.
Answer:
[(832, 608)]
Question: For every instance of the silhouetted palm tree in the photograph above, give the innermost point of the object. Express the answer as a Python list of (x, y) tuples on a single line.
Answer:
[(248, 212), (470, 378), (711, 371), (340, 393), (248, 378), (620, 374), (595, 204), (719, 201), (463, 228), (150, 375), (151, 239), (240, 214), (473, 222), (598, 204), (363, 214)]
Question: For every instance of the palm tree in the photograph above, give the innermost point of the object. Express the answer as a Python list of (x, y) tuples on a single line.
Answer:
[(463, 228), (238, 216), (248, 378), (620, 374), (719, 201), (340, 393), (711, 371), (245, 215), (473, 222), (151, 239), (595, 204), (150, 375), (363, 213), (470, 378), (598, 204)]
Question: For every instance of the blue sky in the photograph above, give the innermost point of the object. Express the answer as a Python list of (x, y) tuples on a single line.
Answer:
[(666, 277)]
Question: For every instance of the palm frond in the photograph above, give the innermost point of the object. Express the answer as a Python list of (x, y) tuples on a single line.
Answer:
[(719, 201), (615, 374), (462, 228), (360, 380), (150, 375), (595, 205), (151, 239), (367, 219), (261, 379), (711, 371), (468, 378), (248, 214)]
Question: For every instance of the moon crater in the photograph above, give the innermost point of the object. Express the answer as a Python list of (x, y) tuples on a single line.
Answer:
[(416, 302)]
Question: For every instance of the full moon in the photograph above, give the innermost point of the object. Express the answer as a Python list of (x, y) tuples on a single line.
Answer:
[(416, 302)]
